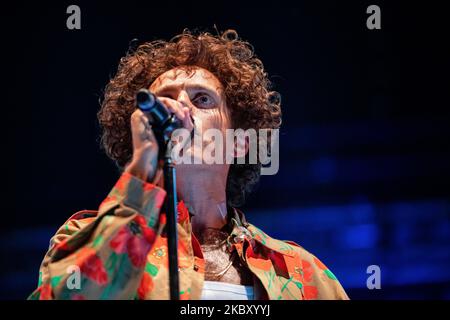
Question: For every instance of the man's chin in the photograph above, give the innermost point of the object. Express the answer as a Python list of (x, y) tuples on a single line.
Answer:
[(202, 168)]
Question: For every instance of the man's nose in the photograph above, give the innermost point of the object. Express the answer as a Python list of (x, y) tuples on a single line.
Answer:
[(184, 99)]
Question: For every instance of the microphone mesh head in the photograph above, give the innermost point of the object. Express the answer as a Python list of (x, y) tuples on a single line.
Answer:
[(145, 99)]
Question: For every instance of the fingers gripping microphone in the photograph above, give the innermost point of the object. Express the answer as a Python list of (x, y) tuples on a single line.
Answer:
[(164, 123), (162, 120)]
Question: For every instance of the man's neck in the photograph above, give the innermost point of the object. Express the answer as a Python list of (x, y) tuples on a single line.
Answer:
[(204, 191)]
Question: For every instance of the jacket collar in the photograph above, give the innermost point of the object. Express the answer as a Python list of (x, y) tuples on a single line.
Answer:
[(241, 230)]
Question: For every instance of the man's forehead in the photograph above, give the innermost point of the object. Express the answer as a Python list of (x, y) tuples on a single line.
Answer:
[(180, 76)]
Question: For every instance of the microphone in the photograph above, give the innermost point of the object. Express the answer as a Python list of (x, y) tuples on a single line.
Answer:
[(163, 121)]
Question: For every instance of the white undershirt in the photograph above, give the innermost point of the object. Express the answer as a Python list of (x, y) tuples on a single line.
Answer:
[(215, 290)]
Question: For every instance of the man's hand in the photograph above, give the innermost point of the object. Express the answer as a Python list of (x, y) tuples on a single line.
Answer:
[(144, 162)]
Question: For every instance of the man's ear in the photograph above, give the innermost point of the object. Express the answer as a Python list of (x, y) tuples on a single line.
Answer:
[(241, 146)]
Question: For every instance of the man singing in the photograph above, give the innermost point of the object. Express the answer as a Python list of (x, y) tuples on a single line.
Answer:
[(120, 250)]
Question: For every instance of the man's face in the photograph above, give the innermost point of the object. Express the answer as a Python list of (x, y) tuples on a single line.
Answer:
[(202, 93)]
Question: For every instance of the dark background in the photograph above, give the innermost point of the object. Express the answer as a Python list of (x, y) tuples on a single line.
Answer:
[(364, 165)]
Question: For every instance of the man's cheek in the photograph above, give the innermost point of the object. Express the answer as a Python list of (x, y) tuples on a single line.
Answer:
[(211, 118)]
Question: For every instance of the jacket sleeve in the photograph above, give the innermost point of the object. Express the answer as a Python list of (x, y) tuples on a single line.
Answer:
[(102, 254), (320, 282)]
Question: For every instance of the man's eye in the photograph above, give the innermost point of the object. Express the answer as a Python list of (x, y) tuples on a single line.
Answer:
[(203, 100)]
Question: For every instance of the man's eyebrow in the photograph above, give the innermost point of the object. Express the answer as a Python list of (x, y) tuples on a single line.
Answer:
[(195, 87)]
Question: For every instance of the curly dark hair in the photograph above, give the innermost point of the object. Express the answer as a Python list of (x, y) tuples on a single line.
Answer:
[(230, 59)]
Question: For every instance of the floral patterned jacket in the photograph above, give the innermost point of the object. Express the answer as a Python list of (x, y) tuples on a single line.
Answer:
[(120, 252)]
